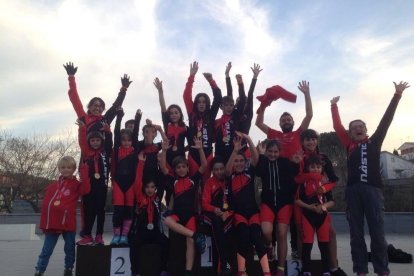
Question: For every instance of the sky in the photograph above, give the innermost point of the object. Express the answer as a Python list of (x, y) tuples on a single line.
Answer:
[(353, 49)]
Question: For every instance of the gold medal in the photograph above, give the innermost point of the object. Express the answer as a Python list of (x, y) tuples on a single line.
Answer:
[(199, 134), (56, 203), (226, 139), (225, 206), (174, 148), (97, 176)]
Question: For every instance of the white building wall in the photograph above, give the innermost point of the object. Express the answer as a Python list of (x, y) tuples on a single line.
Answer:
[(394, 167)]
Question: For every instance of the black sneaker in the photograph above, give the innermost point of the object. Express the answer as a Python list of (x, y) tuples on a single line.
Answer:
[(200, 241), (398, 256), (338, 272), (67, 272), (225, 269)]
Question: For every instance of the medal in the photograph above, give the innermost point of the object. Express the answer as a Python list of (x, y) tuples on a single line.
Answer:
[(56, 203), (225, 206), (198, 134), (97, 176), (150, 226), (174, 148)]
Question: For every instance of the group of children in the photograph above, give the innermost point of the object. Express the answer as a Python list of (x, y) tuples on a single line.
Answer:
[(185, 166)]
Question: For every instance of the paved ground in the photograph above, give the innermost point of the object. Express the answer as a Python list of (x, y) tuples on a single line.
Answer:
[(18, 258)]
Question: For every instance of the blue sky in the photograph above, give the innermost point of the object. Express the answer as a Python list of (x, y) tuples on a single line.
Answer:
[(354, 49)]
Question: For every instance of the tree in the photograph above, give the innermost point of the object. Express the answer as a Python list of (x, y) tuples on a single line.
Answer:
[(333, 148), (28, 164)]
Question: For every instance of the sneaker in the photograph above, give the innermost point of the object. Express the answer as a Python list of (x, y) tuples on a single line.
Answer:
[(115, 240), (200, 241), (86, 240), (225, 268), (295, 255), (67, 272), (338, 272), (99, 240), (270, 253), (38, 273), (123, 240)]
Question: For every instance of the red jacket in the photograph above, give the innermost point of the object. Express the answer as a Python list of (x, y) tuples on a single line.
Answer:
[(58, 213)]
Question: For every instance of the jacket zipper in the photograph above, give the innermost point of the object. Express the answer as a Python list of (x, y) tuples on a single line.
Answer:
[(48, 208), (64, 217)]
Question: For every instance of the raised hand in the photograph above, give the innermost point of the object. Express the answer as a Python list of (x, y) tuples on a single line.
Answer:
[(79, 122), (125, 81), (261, 148), (165, 145), (208, 76), (158, 84), (256, 70), (297, 157), (138, 115), (399, 88), (193, 68), (335, 100), (304, 86), (70, 68), (237, 142), (239, 78), (198, 144), (228, 67)]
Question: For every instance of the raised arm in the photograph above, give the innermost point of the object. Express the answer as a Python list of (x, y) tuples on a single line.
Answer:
[(73, 92), (236, 149), (242, 95), (337, 124), (163, 157), (82, 139), (139, 194), (198, 144), (188, 91), (158, 85), (254, 154), (162, 133), (386, 120), (228, 80), (117, 131), (111, 112), (304, 87), (137, 121), (216, 95), (260, 121), (249, 107)]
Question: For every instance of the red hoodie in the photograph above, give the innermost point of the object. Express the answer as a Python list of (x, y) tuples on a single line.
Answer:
[(58, 213)]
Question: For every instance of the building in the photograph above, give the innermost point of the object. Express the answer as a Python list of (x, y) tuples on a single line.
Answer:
[(395, 167), (407, 150)]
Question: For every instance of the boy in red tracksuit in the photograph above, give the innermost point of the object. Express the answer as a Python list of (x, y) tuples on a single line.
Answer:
[(315, 216), (58, 213), (216, 212)]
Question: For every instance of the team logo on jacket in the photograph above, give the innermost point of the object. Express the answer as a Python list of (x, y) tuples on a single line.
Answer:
[(364, 163)]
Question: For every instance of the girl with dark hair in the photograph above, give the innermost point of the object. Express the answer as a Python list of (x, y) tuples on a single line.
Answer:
[(201, 119), (174, 126), (243, 203)]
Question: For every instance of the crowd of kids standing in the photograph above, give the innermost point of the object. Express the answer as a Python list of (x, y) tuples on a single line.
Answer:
[(207, 170)]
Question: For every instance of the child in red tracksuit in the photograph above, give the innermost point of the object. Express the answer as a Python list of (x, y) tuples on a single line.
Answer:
[(182, 218), (123, 171), (315, 216), (58, 213), (96, 152)]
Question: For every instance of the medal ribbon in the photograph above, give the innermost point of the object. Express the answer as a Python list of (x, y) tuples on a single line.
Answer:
[(149, 201), (96, 162)]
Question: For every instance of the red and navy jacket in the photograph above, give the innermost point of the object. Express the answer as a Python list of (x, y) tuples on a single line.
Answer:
[(98, 160), (94, 123), (201, 123), (308, 189), (364, 157), (124, 163), (151, 170), (148, 209), (226, 127), (278, 184), (184, 192), (58, 212), (215, 195), (242, 194), (176, 137), (328, 169)]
